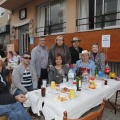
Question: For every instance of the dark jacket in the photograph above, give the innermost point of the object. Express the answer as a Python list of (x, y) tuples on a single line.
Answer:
[(5, 96), (67, 58), (53, 73), (75, 54), (2, 53)]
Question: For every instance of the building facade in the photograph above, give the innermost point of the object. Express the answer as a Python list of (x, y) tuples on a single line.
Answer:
[(4, 27), (86, 19)]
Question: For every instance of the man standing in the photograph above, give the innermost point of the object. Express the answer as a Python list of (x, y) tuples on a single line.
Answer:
[(39, 60), (75, 50), (24, 76)]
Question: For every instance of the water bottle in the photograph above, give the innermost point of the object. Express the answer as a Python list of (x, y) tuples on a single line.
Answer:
[(107, 71), (70, 77), (85, 79)]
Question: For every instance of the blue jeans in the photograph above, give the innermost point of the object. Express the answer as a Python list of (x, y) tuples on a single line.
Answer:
[(17, 92), (14, 111)]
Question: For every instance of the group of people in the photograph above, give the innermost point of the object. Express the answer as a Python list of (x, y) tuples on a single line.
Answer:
[(45, 64)]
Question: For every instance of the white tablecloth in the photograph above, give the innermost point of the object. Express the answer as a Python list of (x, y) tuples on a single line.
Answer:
[(84, 101)]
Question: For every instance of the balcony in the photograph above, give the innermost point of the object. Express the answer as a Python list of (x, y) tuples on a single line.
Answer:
[(13, 4)]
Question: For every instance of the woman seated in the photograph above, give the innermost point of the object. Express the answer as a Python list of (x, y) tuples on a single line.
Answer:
[(59, 70), (98, 57), (85, 63)]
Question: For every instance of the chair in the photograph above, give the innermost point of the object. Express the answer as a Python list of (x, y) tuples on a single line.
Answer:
[(97, 115), (2, 117)]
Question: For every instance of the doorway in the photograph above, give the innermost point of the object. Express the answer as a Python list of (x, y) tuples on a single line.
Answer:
[(24, 41)]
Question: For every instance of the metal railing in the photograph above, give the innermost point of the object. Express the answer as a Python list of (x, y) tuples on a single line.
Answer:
[(54, 28), (100, 21), (115, 67)]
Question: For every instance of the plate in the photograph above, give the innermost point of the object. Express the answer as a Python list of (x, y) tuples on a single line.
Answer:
[(61, 97)]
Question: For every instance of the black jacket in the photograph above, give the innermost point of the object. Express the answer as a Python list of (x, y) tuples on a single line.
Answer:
[(75, 54), (5, 96), (2, 53)]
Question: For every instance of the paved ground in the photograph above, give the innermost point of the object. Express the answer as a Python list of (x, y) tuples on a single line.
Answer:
[(108, 113)]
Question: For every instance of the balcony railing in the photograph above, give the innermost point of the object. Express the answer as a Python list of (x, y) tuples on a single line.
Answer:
[(54, 28), (101, 21)]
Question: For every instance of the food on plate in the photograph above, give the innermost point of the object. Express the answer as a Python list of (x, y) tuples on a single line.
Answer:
[(92, 86), (62, 98), (65, 89)]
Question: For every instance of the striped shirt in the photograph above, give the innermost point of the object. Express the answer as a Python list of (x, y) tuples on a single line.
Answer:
[(27, 79)]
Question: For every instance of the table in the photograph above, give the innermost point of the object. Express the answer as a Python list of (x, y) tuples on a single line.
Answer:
[(84, 101)]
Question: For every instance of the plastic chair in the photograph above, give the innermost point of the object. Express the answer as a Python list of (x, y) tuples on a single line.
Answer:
[(97, 115), (2, 117)]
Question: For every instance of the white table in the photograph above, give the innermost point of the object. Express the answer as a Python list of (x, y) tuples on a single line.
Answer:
[(84, 101)]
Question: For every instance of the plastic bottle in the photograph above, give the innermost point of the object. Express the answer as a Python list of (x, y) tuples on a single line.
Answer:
[(107, 71), (70, 77), (85, 79)]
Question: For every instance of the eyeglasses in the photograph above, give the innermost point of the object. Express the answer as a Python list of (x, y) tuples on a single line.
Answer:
[(27, 58)]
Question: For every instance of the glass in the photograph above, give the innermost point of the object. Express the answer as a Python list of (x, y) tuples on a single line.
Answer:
[(64, 80), (43, 91), (53, 84), (72, 93), (106, 82)]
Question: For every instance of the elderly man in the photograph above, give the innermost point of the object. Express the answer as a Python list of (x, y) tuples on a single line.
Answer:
[(24, 76), (75, 50), (85, 63), (39, 60)]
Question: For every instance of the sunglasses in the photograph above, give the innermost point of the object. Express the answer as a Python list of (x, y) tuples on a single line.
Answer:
[(27, 58)]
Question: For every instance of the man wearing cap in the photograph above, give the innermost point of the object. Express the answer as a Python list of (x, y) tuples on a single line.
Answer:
[(75, 50), (85, 63)]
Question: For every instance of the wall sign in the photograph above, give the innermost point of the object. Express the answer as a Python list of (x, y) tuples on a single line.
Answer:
[(106, 41)]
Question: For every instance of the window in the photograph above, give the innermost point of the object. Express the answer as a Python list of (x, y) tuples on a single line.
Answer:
[(51, 18), (1, 12), (98, 14)]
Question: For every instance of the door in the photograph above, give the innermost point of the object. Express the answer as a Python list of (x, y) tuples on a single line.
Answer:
[(25, 42), (24, 39)]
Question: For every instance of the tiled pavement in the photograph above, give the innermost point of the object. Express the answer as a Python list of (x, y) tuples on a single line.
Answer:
[(108, 113)]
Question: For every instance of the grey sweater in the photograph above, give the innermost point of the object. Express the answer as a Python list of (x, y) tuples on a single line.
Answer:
[(17, 77)]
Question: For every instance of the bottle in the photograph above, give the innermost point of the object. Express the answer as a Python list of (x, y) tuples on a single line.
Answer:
[(107, 71), (70, 77), (96, 71), (79, 83), (18, 61), (85, 79)]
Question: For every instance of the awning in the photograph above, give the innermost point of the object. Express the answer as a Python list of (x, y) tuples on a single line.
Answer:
[(13, 4)]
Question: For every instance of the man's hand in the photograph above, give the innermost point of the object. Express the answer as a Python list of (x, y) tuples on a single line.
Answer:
[(21, 98), (50, 66), (67, 65)]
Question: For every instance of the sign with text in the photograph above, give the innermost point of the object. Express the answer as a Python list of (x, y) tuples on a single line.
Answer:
[(105, 41)]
